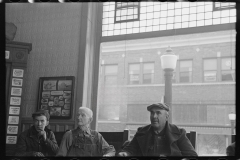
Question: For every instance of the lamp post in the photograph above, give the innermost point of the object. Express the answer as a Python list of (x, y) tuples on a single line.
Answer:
[(168, 63), (232, 118)]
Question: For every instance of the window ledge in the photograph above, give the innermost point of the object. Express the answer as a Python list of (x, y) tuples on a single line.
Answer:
[(108, 121)]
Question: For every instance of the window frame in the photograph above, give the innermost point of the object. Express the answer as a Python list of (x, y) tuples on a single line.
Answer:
[(126, 7), (233, 58), (203, 80), (190, 78), (104, 73)]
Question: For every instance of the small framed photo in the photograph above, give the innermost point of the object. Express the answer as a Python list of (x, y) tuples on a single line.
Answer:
[(16, 91), (13, 119), (11, 140), (17, 82), (14, 110), (12, 130), (18, 72), (15, 101)]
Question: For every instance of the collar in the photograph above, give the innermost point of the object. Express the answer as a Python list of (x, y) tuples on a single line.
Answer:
[(79, 130), (168, 128)]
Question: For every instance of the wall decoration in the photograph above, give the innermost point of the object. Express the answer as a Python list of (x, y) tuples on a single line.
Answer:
[(16, 91), (12, 130), (14, 110), (11, 140), (13, 119), (18, 72), (56, 96), (15, 100), (17, 82)]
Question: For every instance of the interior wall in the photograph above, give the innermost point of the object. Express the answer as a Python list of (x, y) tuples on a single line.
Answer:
[(54, 31)]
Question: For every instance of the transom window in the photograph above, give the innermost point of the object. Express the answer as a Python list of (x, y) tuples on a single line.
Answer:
[(126, 11)]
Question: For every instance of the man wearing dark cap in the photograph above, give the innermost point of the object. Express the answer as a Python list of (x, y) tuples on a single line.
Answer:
[(160, 138), (38, 140)]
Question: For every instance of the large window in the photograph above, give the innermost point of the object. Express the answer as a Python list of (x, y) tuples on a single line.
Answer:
[(210, 70), (110, 72), (185, 73), (140, 17), (222, 69), (141, 73)]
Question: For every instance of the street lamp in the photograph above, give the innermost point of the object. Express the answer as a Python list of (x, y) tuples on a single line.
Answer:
[(232, 118), (168, 63)]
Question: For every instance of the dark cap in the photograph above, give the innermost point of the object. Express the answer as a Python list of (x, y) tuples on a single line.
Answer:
[(41, 113), (159, 105)]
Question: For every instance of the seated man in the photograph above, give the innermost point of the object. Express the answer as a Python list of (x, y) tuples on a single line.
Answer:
[(160, 138), (83, 141), (38, 140)]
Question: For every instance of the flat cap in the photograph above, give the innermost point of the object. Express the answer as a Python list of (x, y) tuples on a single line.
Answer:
[(159, 105)]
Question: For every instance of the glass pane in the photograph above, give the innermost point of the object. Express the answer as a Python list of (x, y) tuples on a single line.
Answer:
[(228, 75), (185, 66), (228, 63), (210, 64), (210, 76), (134, 68), (185, 77), (111, 69), (148, 68), (134, 79), (185, 11), (147, 78)]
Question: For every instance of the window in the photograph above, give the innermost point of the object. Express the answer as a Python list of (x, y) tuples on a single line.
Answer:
[(222, 69), (228, 69), (185, 73), (148, 72), (210, 70), (126, 11), (223, 6), (110, 74), (134, 73), (141, 73)]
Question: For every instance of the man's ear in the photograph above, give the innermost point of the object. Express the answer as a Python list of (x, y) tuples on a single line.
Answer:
[(90, 120)]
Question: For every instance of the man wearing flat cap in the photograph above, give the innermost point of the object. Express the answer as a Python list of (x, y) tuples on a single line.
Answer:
[(38, 140), (160, 138)]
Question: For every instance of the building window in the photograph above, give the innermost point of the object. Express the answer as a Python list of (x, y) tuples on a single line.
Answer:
[(141, 73), (185, 72), (148, 73), (210, 70), (110, 74), (134, 73), (126, 11), (228, 69)]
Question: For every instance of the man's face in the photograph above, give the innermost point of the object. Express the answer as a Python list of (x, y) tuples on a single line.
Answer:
[(158, 117), (40, 122), (83, 118)]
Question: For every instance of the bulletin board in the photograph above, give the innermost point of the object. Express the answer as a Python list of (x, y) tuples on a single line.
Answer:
[(56, 96)]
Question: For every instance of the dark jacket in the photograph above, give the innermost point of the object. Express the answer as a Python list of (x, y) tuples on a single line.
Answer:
[(179, 144), (231, 149), (28, 143)]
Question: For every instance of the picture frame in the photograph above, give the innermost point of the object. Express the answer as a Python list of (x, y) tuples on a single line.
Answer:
[(13, 119), (16, 91), (11, 140), (56, 95), (14, 110), (15, 100), (17, 82), (18, 72), (12, 129)]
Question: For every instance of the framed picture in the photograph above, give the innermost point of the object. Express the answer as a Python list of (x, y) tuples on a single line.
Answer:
[(14, 110), (17, 82), (56, 96), (11, 140), (12, 129), (18, 72), (13, 119), (15, 101), (16, 91)]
